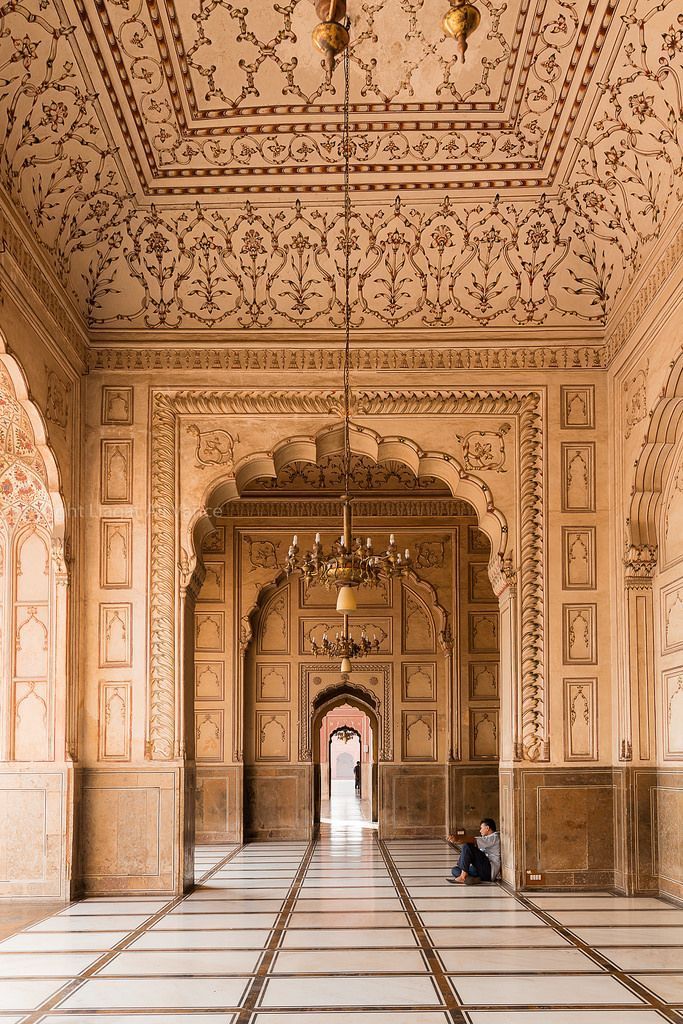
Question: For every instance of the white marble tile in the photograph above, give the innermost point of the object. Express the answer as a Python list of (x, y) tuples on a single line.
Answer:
[(475, 895), (113, 908), (310, 993), (60, 942), (668, 987), (138, 1018), (359, 919), (634, 936), (621, 918), (90, 923), (28, 994), (45, 965), (353, 1017), (473, 906), (148, 993), (605, 902), (482, 938), (494, 919), (220, 895), (182, 962), (350, 961), (557, 990), (348, 938), (237, 939), (205, 922), (564, 1017), (509, 961), (370, 903), (208, 908), (642, 958)]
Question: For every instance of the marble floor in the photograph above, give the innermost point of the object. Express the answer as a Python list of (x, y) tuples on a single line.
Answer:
[(345, 931)]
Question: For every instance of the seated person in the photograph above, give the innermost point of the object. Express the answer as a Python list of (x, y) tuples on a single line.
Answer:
[(479, 859)]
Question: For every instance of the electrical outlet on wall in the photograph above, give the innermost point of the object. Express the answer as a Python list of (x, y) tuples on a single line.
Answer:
[(534, 877)]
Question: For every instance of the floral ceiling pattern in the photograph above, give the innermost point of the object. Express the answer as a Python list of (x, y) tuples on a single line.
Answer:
[(180, 163)]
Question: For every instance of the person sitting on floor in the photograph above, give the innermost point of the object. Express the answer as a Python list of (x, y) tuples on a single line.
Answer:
[(479, 859)]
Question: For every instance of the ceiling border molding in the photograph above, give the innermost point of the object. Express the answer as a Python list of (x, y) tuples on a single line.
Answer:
[(282, 358), (51, 294), (301, 508), (166, 406), (645, 292)]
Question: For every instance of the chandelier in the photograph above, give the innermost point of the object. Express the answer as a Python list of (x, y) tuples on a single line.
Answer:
[(349, 563), (345, 733)]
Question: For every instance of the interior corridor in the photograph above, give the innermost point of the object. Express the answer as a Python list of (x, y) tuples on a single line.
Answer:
[(273, 931)]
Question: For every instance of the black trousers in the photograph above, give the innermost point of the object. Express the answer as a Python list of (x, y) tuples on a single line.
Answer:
[(474, 861)]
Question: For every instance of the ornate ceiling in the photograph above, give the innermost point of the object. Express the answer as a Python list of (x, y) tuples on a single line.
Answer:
[(180, 162)]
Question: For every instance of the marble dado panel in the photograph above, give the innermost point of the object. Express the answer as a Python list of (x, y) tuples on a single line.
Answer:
[(35, 826), (473, 795), (669, 835), (277, 801), (568, 833), (219, 804), (117, 858), (412, 801)]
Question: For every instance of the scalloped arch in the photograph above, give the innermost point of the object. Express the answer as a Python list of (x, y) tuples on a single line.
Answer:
[(23, 395), (367, 442), (652, 466)]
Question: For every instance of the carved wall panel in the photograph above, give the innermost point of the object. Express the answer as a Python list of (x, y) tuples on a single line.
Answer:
[(578, 558), (272, 736), (580, 720), (477, 541), (635, 399), (30, 741), (419, 681), (274, 632), (115, 640), (116, 479), (419, 734), (213, 587), (272, 682), (214, 542), (419, 633), (117, 406), (114, 722), (209, 735), (31, 641), (209, 680), (483, 733), (673, 713), (672, 618), (580, 641), (483, 680), (578, 477), (577, 406), (116, 553), (209, 631), (483, 632), (374, 680), (480, 589), (672, 519)]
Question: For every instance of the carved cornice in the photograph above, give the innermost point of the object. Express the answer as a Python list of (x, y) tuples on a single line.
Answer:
[(386, 507), (640, 566), (166, 406), (44, 284), (280, 358)]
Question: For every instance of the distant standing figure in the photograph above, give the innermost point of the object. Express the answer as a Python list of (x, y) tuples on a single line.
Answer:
[(479, 859), (356, 776)]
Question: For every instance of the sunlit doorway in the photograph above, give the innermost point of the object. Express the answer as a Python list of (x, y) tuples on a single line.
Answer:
[(347, 775)]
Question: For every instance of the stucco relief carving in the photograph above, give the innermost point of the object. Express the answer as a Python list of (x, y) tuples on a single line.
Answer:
[(418, 730), (485, 449), (640, 565), (673, 518), (167, 407), (57, 402), (114, 722), (635, 404), (580, 634), (262, 553), (577, 407), (578, 477), (673, 724), (578, 558), (116, 474), (214, 447), (580, 720), (484, 734), (116, 551), (117, 406)]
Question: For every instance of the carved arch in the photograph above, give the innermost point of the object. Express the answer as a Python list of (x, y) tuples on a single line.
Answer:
[(652, 466)]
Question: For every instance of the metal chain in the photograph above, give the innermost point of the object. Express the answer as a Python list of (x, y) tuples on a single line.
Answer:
[(347, 276)]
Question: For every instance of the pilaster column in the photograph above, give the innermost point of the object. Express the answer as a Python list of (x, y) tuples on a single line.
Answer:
[(636, 697), (447, 645)]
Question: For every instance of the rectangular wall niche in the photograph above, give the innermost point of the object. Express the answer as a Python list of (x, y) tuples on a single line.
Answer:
[(115, 641), (580, 720), (419, 735), (580, 646), (116, 569), (114, 722), (578, 558), (577, 407), (578, 477), (116, 473)]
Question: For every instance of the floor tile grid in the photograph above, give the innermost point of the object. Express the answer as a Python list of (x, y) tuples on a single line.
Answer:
[(435, 966), (627, 980), (75, 983), (253, 992)]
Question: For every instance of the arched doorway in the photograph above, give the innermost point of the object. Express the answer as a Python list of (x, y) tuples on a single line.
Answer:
[(336, 705)]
